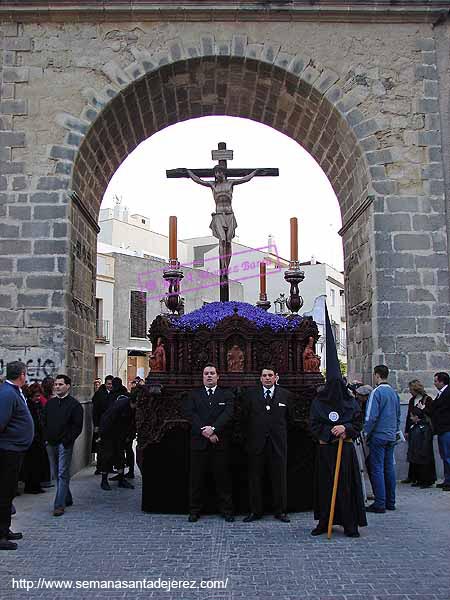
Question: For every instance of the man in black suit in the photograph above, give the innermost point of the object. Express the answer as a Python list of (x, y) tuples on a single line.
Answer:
[(210, 410), (439, 412), (265, 418), (101, 401)]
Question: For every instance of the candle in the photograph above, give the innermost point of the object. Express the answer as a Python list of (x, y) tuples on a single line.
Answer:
[(262, 278), (294, 239), (173, 238)]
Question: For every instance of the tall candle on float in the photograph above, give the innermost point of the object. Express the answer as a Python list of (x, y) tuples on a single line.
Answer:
[(173, 239), (294, 239), (262, 279)]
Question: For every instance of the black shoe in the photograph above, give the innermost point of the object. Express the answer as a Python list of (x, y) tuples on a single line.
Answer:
[(282, 517), (7, 545), (104, 484), (415, 484), (440, 485), (115, 478), (251, 517), (14, 536), (130, 475), (229, 518), (34, 491), (424, 486), (390, 508), (445, 488), (353, 534), (375, 509), (123, 483), (97, 472), (319, 530), (193, 518), (406, 481)]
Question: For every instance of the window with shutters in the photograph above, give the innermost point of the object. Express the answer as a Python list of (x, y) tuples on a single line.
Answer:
[(138, 315)]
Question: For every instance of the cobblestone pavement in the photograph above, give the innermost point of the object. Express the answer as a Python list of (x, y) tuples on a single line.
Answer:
[(403, 555)]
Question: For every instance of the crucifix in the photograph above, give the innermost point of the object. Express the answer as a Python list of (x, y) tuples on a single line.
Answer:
[(223, 223)]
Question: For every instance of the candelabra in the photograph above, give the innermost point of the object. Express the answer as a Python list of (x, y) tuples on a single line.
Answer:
[(173, 275), (263, 302), (294, 276)]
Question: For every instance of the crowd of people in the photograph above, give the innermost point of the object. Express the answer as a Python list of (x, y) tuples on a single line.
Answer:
[(39, 424)]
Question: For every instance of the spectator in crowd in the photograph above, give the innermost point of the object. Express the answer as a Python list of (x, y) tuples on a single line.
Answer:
[(439, 412), (362, 393), (97, 384), (382, 424), (101, 401), (63, 423), (116, 427), (47, 385), (420, 449), (118, 389), (16, 436), (35, 463), (419, 398)]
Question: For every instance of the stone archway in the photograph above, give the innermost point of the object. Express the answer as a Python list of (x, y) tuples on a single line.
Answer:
[(300, 102), (381, 154)]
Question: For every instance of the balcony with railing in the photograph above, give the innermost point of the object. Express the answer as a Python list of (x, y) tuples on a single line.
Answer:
[(102, 331)]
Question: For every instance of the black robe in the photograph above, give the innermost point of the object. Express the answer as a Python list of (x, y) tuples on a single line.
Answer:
[(421, 453), (349, 509), (35, 466)]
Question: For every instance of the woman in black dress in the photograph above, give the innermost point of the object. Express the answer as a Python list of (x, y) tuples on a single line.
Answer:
[(35, 460), (419, 399)]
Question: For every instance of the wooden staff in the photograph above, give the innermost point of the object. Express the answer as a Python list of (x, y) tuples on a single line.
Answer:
[(335, 486)]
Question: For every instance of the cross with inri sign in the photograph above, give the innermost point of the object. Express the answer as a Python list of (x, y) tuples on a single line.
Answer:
[(223, 223), (222, 155)]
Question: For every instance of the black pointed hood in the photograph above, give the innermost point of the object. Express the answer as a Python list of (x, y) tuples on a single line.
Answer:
[(334, 393)]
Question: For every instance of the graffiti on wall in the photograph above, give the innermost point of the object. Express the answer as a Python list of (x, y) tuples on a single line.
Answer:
[(37, 369)]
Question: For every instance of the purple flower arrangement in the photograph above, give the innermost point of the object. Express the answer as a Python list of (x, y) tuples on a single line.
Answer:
[(211, 314)]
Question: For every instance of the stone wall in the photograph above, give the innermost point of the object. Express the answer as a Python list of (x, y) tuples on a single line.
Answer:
[(367, 100)]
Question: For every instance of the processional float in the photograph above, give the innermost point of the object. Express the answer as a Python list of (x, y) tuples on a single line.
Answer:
[(239, 339)]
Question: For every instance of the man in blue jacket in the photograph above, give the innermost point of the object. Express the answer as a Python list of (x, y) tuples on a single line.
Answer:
[(16, 435), (381, 426)]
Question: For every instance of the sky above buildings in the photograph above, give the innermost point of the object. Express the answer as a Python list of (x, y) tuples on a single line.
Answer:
[(262, 206)]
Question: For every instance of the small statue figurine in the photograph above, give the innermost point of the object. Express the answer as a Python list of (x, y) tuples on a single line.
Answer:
[(235, 359), (157, 360), (311, 362)]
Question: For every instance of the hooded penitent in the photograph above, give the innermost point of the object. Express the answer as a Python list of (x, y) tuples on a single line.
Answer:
[(333, 399), (333, 406)]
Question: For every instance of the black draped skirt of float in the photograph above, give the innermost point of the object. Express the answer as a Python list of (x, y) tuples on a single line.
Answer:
[(349, 510), (165, 476)]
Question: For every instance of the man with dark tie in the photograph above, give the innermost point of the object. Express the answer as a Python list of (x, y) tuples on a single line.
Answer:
[(265, 419), (16, 435), (210, 411)]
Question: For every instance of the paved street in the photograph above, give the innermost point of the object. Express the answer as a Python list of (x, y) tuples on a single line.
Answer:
[(404, 555)]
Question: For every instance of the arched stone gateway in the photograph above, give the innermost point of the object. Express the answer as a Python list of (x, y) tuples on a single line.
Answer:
[(368, 101)]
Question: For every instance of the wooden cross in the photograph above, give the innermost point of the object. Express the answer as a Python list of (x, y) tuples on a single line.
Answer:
[(222, 155), (223, 222)]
